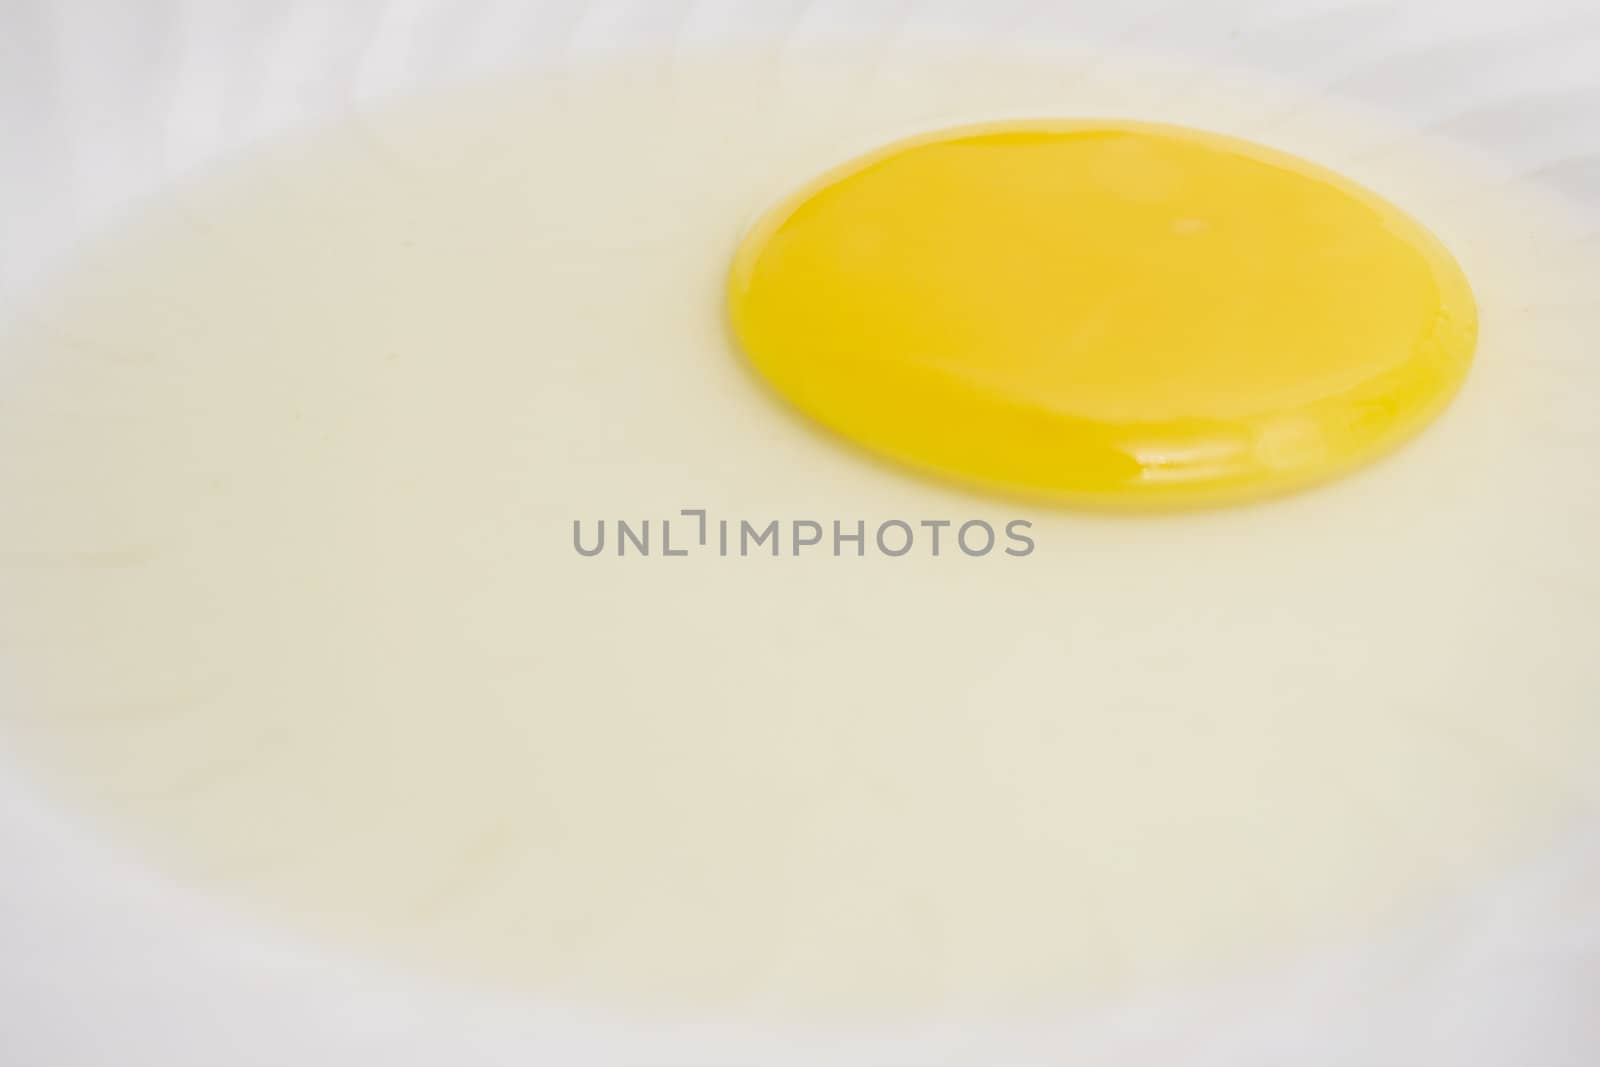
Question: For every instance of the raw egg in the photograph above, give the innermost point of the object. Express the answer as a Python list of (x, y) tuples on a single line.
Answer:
[(291, 608)]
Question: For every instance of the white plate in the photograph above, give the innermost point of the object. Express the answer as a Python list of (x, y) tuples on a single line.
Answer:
[(102, 961)]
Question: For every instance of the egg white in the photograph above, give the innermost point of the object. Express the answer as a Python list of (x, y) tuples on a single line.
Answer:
[(288, 473)]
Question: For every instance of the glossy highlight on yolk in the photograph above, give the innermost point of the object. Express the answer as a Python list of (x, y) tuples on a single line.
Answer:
[(1113, 314)]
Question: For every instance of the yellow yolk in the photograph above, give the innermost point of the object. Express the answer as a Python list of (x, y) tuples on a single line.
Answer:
[(1117, 314)]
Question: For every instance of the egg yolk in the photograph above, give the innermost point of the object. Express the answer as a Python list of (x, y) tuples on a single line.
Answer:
[(1106, 313)]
